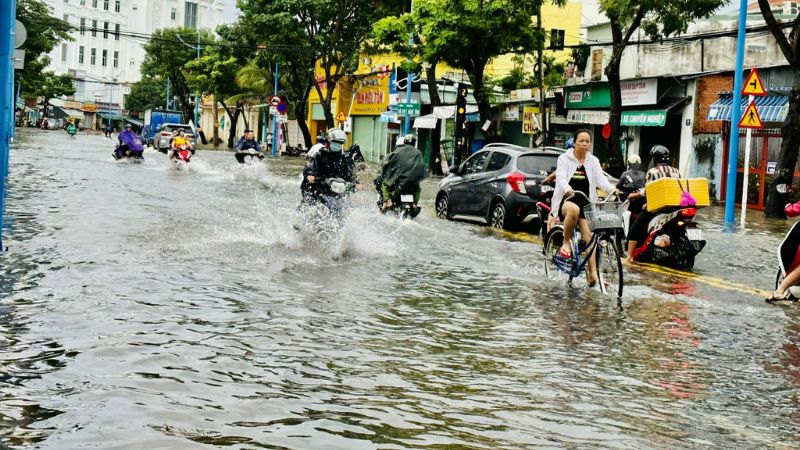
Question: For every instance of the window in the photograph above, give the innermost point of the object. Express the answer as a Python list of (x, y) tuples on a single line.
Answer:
[(63, 52), (497, 161), (116, 59), (105, 30), (93, 57), (116, 32), (83, 2), (537, 164), (83, 26), (94, 3), (556, 39), (117, 5), (66, 17), (105, 5), (190, 18), (105, 58), (80, 54), (94, 28), (173, 14), (475, 163)]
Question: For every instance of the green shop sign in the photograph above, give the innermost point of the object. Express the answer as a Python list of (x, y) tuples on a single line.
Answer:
[(652, 118), (592, 95)]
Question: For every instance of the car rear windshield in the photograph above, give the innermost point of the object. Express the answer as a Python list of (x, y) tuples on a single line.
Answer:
[(535, 164), (185, 128)]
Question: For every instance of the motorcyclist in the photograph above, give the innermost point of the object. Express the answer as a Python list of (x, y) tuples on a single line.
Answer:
[(631, 183), (330, 162), (128, 141), (247, 142), (71, 129), (788, 288), (178, 139), (401, 172), (662, 168)]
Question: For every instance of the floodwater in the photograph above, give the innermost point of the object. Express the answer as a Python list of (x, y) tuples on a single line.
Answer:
[(146, 307)]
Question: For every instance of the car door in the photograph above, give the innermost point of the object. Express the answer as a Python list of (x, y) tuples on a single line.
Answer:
[(462, 197), (490, 181)]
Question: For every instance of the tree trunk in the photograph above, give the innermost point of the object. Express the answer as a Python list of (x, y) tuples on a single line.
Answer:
[(216, 120), (244, 116), (615, 160), (787, 158), (234, 121), (301, 116), (484, 106), (436, 132), (183, 95)]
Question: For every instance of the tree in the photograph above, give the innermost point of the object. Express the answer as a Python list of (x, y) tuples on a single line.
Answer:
[(657, 18), (54, 86), (166, 54), (790, 131), (467, 34), (44, 32), (149, 93), (521, 78), (327, 33)]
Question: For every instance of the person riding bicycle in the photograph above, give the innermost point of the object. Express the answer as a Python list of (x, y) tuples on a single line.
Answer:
[(330, 162), (401, 173), (662, 168), (578, 176), (246, 143)]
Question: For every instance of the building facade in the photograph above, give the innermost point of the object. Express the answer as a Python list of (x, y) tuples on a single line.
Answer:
[(106, 54)]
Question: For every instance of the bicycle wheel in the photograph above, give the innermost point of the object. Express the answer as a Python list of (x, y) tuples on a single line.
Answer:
[(609, 266), (552, 243)]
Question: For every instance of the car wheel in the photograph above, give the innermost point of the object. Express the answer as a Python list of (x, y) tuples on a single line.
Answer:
[(497, 216), (443, 207)]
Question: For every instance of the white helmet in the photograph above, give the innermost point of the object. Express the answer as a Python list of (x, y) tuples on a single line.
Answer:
[(634, 159), (336, 139)]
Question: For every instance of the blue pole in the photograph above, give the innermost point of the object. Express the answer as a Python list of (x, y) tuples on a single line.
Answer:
[(407, 125), (736, 113), (275, 119), (8, 14)]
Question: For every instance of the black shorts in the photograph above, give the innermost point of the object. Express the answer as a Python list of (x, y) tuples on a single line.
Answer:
[(580, 199)]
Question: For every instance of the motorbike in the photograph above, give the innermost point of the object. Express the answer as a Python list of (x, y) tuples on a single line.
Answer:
[(325, 207), (182, 154), (673, 239), (132, 151), (402, 202), (248, 156)]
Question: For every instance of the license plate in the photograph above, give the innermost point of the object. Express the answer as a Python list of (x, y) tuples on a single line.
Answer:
[(694, 234), (407, 198), (546, 189)]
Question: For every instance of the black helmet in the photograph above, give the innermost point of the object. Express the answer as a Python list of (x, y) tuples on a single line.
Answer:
[(660, 154)]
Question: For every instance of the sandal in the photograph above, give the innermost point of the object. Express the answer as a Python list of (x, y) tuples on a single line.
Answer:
[(565, 254), (786, 296)]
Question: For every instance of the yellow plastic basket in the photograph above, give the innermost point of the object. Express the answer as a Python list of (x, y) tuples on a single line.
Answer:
[(668, 192)]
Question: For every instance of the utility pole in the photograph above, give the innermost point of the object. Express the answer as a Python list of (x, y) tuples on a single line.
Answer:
[(167, 106), (409, 77), (8, 14), (275, 118), (540, 76), (736, 114)]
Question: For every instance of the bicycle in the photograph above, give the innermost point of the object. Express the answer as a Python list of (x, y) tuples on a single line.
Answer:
[(605, 222)]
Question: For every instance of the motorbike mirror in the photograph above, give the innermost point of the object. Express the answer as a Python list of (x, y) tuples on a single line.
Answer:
[(543, 172), (782, 188)]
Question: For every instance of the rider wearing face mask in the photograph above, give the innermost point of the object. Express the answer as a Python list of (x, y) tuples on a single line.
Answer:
[(330, 162)]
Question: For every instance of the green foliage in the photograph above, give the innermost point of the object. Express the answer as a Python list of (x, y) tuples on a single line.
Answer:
[(658, 18), (147, 94), (44, 32), (166, 56), (580, 55), (522, 78), (56, 85)]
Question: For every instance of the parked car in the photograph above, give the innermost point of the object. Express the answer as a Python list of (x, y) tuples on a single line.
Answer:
[(498, 185), (164, 134)]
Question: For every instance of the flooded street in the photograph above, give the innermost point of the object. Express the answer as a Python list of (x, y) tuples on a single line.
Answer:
[(146, 307)]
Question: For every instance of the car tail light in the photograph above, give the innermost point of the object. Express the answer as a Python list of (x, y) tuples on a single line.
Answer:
[(166, 133), (688, 212), (517, 182)]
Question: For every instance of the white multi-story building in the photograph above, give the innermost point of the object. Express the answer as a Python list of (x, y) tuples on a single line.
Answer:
[(103, 58)]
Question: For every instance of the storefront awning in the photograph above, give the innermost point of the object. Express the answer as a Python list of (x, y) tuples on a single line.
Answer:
[(107, 116), (134, 121), (71, 112), (771, 108), (429, 121), (449, 112)]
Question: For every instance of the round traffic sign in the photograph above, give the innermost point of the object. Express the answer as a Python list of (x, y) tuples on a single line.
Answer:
[(20, 34), (274, 100), (282, 107)]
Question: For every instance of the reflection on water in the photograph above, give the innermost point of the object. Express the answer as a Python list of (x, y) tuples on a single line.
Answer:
[(149, 308)]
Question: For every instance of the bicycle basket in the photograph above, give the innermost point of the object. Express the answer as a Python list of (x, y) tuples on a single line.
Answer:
[(603, 216)]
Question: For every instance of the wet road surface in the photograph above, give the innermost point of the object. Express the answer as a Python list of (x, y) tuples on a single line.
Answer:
[(145, 307)]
